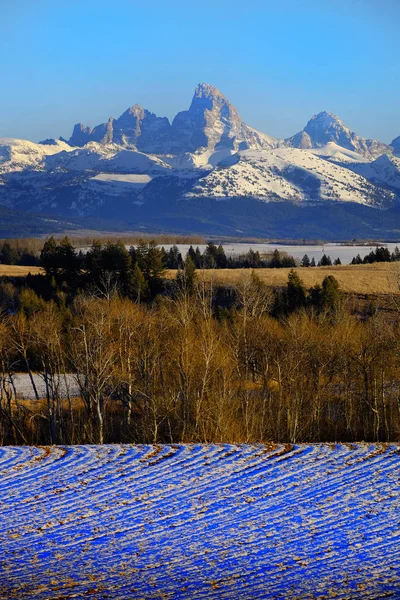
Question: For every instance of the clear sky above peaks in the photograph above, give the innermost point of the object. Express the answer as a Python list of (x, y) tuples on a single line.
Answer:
[(278, 62)]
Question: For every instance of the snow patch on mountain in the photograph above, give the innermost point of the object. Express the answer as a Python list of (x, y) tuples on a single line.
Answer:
[(17, 155), (287, 174), (384, 171), (335, 153), (107, 158)]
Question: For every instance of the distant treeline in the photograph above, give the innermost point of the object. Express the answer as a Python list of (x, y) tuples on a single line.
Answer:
[(214, 257), (23, 251), (380, 254), (325, 261)]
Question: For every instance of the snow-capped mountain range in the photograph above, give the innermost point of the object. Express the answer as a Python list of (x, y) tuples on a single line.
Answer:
[(137, 164)]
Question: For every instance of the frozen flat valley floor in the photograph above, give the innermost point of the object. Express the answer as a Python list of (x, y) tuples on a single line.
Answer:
[(200, 521)]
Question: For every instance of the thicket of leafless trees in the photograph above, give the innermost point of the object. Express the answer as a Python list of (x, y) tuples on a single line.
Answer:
[(178, 371)]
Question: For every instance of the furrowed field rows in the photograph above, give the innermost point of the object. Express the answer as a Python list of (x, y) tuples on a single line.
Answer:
[(200, 521)]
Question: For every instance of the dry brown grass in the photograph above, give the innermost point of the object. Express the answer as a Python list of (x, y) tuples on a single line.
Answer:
[(377, 278), (17, 271)]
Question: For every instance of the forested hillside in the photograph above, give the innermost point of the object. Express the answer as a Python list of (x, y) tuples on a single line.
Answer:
[(188, 361)]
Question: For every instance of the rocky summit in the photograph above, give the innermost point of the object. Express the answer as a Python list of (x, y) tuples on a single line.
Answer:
[(210, 122), (327, 127)]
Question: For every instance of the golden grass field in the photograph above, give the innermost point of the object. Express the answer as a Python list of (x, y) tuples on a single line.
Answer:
[(377, 278), (16, 271)]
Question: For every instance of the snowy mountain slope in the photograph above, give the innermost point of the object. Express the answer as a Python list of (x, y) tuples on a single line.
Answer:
[(384, 171), (17, 155), (288, 174), (331, 151), (245, 522), (326, 127), (109, 157)]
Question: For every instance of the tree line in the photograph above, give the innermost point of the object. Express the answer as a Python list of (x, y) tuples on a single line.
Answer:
[(380, 254)]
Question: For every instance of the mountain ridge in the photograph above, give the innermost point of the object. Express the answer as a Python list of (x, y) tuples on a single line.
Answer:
[(130, 166)]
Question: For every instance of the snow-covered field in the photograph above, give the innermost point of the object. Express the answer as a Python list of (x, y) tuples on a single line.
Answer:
[(200, 521), (345, 253), (67, 386)]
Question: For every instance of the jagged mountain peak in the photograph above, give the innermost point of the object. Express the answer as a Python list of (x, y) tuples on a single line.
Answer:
[(206, 90), (136, 110), (326, 117), (326, 127), (210, 123)]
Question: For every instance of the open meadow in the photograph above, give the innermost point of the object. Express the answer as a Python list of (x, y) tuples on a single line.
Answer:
[(200, 521), (18, 271), (376, 278)]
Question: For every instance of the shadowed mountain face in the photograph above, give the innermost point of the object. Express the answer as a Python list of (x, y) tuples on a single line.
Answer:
[(396, 145), (210, 123)]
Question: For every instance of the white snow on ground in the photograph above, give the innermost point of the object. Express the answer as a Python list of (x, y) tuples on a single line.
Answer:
[(135, 179), (22, 385), (200, 521), (117, 183), (286, 174)]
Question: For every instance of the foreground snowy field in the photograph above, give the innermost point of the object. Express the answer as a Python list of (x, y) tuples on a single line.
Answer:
[(195, 521)]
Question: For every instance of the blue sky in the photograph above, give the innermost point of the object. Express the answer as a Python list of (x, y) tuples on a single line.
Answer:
[(279, 62)]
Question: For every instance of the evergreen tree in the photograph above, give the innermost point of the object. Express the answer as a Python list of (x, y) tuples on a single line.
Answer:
[(316, 297), (253, 259), (150, 262), (379, 255), (210, 256), (49, 258), (220, 258), (357, 260), (337, 261), (67, 261), (94, 262), (305, 261), (8, 255), (191, 252), (330, 292), (325, 261), (117, 260), (174, 258), (275, 262), (288, 262), (198, 260), (187, 276), (296, 296), (396, 254), (312, 263)]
